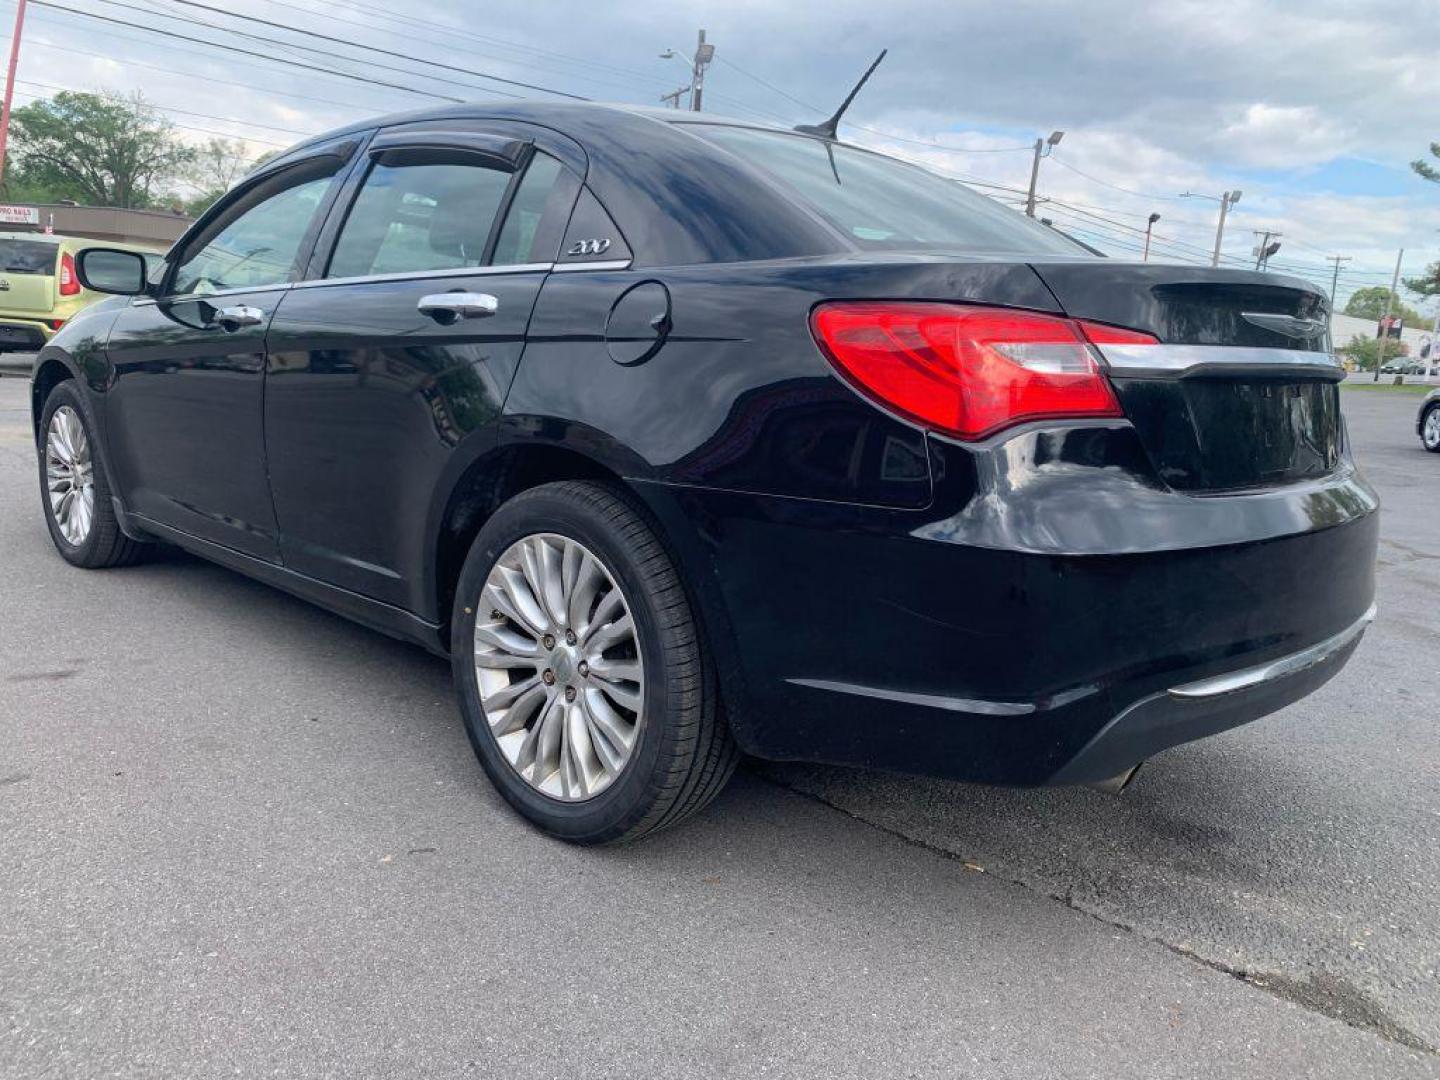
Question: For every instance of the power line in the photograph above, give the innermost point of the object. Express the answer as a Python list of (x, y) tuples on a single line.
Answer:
[(181, 127), (292, 47), (1106, 183), (373, 48), (210, 79), (187, 112), (246, 52), (453, 31)]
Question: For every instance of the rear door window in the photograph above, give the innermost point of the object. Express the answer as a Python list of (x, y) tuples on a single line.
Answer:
[(427, 210), (883, 204), (27, 257), (521, 240)]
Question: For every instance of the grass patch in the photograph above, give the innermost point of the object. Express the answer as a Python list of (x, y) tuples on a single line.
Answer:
[(1387, 387)]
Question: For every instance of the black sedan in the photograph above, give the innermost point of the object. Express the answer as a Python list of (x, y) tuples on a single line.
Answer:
[(684, 437)]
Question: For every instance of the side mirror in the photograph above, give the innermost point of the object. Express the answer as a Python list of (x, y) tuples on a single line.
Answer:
[(110, 270)]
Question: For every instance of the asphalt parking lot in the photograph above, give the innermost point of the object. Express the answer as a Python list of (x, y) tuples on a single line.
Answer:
[(240, 836)]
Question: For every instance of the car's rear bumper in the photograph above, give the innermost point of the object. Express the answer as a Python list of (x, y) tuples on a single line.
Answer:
[(1193, 710), (23, 335), (955, 642)]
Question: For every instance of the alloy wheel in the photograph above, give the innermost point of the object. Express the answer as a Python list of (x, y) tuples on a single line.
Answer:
[(69, 475), (558, 664), (1431, 432)]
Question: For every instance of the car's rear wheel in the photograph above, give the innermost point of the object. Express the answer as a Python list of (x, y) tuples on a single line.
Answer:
[(581, 670), (76, 493), (1430, 429)]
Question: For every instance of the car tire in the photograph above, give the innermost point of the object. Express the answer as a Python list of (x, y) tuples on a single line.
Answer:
[(1430, 429), (559, 740), (74, 487)]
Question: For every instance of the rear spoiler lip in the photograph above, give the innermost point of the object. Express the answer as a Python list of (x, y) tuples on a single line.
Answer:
[(1163, 361)]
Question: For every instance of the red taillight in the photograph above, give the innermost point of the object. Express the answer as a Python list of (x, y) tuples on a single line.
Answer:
[(69, 283), (968, 371), (55, 324)]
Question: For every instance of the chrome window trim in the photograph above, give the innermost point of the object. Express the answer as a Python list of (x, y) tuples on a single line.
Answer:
[(425, 275), (1293, 664), (180, 298), (415, 275), (611, 264), (1181, 361)]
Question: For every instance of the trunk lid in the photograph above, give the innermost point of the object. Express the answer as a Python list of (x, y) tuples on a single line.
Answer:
[(28, 275), (1242, 391)]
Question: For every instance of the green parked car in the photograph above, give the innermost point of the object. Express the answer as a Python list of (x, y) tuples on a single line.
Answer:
[(38, 286)]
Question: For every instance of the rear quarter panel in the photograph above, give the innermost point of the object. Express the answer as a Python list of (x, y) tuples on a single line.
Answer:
[(737, 396)]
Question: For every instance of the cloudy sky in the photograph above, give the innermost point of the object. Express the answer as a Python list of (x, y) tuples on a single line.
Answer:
[(1313, 109)]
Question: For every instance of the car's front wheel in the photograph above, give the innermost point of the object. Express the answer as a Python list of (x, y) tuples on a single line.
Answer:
[(582, 674), (1430, 429), (73, 484)]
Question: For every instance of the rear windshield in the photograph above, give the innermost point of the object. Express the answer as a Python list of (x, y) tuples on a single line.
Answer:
[(27, 257), (887, 205)]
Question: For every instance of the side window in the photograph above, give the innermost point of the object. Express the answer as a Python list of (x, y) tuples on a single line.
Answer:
[(519, 236), (420, 210), (258, 240)]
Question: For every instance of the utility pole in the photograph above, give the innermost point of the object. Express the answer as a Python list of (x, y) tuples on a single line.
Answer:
[(1145, 256), (1042, 149), (1335, 277), (674, 96), (10, 83), (1385, 319), (1227, 200), (1263, 250), (703, 55)]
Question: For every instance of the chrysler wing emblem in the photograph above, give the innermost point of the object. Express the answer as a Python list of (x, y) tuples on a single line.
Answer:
[(1289, 325)]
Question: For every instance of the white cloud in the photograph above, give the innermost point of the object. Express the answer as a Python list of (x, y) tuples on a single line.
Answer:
[(1281, 137)]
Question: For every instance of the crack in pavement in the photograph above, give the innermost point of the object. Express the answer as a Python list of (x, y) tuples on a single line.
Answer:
[(1322, 993)]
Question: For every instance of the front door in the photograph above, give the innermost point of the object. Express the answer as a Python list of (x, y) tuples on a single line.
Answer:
[(402, 350), (185, 420)]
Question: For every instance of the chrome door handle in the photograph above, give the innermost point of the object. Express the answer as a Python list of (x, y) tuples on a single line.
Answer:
[(231, 319), (448, 307)]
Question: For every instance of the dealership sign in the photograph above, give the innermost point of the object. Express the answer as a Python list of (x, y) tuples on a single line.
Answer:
[(19, 215)]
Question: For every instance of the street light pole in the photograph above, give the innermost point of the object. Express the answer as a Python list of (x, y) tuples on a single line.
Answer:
[(1150, 224), (703, 55), (1264, 249), (1042, 149), (10, 83), (1227, 200)]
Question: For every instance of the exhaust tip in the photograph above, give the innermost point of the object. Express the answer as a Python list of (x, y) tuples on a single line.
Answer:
[(1114, 785)]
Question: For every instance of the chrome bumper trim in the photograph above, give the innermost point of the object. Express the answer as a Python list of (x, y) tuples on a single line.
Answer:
[(1183, 361), (1245, 678)]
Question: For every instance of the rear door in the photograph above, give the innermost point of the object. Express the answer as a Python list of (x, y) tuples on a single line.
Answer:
[(184, 414), (402, 343)]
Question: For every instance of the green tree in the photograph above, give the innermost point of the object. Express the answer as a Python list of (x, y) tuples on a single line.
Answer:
[(218, 166), (104, 150), (1366, 350), (1428, 283), (1369, 303), (1424, 168)]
